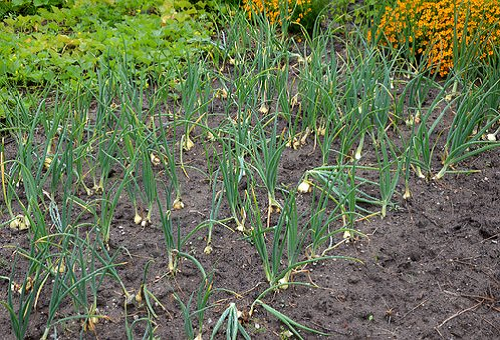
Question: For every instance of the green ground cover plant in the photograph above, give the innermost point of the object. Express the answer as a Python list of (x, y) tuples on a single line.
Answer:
[(141, 103), (69, 43), (27, 7)]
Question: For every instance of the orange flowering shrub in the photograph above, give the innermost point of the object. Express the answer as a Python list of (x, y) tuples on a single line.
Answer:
[(294, 9), (430, 27)]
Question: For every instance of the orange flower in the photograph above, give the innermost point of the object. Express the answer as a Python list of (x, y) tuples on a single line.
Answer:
[(430, 27), (275, 8)]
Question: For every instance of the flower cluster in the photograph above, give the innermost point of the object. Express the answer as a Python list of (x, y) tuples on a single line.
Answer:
[(293, 10), (433, 28)]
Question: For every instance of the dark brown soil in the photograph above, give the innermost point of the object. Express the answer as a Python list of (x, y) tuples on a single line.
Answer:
[(430, 270)]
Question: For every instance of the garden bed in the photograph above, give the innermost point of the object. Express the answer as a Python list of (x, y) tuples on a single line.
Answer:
[(397, 237)]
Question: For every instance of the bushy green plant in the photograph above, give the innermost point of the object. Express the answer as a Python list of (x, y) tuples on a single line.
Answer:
[(27, 7), (367, 12), (70, 43)]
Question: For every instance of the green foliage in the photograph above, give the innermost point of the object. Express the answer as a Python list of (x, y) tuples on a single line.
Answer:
[(70, 43), (39, 3), (367, 11), (359, 12), (27, 7), (317, 8)]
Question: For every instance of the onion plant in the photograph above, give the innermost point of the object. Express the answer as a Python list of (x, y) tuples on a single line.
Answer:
[(286, 242), (147, 329), (233, 326), (232, 170), (77, 274), (471, 123), (92, 267), (171, 245), (104, 136), (330, 129), (320, 224), (365, 101), (343, 185), (132, 193), (21, 307), (258, 238), (55, 130), (190, 97), (144, 298), (109, 201), (214, 213), (389, 166), (8, 191), (290, 323), (107, 150), (78, 127), (424, 128), (31, 155), (34, 210), (289, 220), (266, 151), (168, 159), (149, 181), (202, 294), (29, 167), (318, 80)]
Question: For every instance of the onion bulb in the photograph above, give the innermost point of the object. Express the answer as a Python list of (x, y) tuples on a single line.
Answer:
[(304, 187), (178, 204)]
